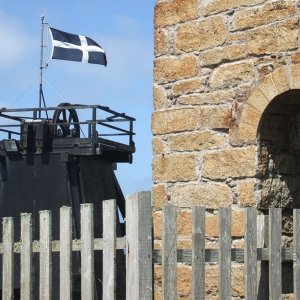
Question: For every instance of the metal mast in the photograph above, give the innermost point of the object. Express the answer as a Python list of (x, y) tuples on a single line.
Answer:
[(41, 94)]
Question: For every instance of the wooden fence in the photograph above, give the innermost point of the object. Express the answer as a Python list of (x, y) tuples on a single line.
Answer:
[(140, 255)]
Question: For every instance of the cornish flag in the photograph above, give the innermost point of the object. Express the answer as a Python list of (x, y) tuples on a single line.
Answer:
[(75, 47)]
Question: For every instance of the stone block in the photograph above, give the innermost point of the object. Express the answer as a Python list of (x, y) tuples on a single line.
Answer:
[(200, 35), (237, 225), (257, 16), (205, 194), (171, 69), (246, 191), (175, 120), (281, 80), (174, 167), (224, 54), (234, 162), (295, 58), (268, 87), (158, 146), (250, 115), (231, 75), (214, 117), (212, 280), (197, 141), (257, 100), (159, 196), (236, 38), (214, 6), (295, 76), (175, 11), (273, 38), (246, 134), (194, 85), (160, 42), (218, 97), (157, 224), (159, 97)]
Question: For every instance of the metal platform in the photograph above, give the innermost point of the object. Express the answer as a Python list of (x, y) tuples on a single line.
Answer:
[(104, 131)]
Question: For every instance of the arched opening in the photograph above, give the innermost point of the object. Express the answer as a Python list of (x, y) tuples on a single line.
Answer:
[(279, 152), (279, 165)]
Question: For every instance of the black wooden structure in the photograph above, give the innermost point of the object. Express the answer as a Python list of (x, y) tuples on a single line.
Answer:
[(48, 162)]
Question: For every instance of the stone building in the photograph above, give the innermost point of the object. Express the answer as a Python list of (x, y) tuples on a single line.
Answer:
[(226, 121)]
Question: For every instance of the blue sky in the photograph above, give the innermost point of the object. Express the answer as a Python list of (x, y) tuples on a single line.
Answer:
[(123, 28)]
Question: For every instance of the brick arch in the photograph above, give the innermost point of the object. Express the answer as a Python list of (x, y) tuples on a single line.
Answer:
[(279, 81)]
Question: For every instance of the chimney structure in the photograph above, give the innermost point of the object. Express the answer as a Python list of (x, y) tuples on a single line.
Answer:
[(226, 120)]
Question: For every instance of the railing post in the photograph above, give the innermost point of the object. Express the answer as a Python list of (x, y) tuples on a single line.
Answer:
[(139, 247)]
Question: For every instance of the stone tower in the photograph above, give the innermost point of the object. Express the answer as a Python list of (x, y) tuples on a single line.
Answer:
[(226, 121)]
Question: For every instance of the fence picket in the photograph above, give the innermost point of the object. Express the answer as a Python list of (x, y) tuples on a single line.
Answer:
[(109, 249), (87, 252), (251, 254), (198, 253), (26, 257), (8, 259), (65, 264), (169, 253), (45, 255), (139, 246), (296, 235), (225, 253), (275, 267)]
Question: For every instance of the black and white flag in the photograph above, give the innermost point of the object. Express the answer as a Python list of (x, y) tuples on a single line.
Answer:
[(68, 46)]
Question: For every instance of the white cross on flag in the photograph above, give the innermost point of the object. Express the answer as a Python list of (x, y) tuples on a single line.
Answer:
[(68, 46)]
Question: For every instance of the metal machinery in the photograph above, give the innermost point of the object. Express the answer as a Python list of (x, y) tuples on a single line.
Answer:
[(46, 163)]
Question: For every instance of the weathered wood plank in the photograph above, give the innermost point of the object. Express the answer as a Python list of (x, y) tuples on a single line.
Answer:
[(8, 259), (87, 252), (132, 269), (225, 253), (169, 253), (26, 257), (275, 266), (296, 232), (45, 256), (145, 247), (198, 253), (109, 249), (65, 267), (139, 246), (251, 254), (262, 264)]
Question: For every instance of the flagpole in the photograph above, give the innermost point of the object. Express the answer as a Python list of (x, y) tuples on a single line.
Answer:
[(41, 64)]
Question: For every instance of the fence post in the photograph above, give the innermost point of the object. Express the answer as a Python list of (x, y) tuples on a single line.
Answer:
[(109, 249), (8, 259), (296, 229), (198, 253), (65, 253), (45, 255), (275, 265), (169, 252), (251, 253), (87, 251), (225, 252), (139, 247), (26, 256)]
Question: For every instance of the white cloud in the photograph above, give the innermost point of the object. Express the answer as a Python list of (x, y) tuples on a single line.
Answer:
[(16, 43)]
